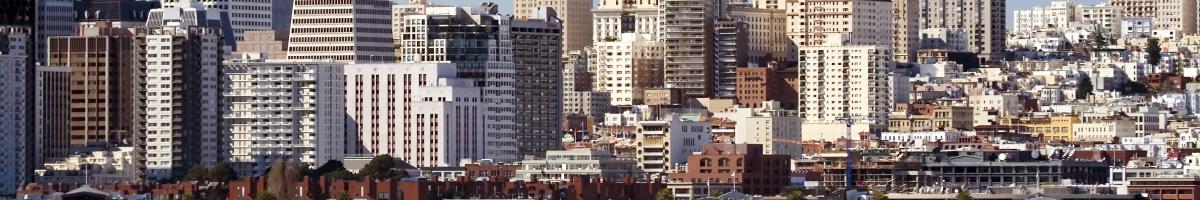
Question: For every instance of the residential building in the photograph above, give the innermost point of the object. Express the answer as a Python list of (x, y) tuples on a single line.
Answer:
[(181, 125), (729, 53), (766, 33), (612, 18), (292, 111), (14, 113), (422, 113), (577, 96), (921, 137), (1135, 8), (1058, 15), (475, 31), (863, 22), (991, 107), (728, 167), (776, 129), (938, 118), (954, 40), (1102, 17), (1134, 27), (102, 84), (119, 13), (54, 18), (905, 28), (984, 19), (272, 43), (760, 84), (842, 80), (627, 67), (688, 38), (52, 113), (1103, 129), (348, 31), (92, 166), (1057, 127), (575, 16), (1177, 15), (537, 81), (665, 144), (561, 165)]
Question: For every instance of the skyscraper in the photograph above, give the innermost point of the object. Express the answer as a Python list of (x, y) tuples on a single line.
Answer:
[(865, 22), (52, 113), (103, 108), (54, 18), (350, 31), (984, 19), (14, 113), (844, 80), (905, 28), (614, 17), (575, 15), (282, 110), (537, 60), (688, 40), (626, 67)]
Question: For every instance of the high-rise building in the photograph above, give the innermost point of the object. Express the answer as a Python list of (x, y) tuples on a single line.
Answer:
[(421, 113), (626, 67), (119, 13), (687, 28), (478, 42), (182, 116), (350, 31), (54, 18), (615, 17), (18, 12), (1178, 15), (215, 13), (282, 110), (729, 53), (537, 61), (103, 97), (984, 19), (575, 15), (578, 97), (768, 26), (1058, 15), (905, 14), (841, 81), (14, 115), (239, 16), (272, 43), (52, 113), (866, 22)]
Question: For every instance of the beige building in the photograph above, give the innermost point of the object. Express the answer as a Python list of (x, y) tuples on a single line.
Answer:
[(271, 43), (844, 80), (575, 15), (767, 34), (626, 67), (102, 95), (984, 19), (905, 29), (866, 22), (688, 46), (614, 17)]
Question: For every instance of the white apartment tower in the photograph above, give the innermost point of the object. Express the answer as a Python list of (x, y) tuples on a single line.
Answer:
[(614, 17), (983, 19), (843, 80), (1058, 15), (13, 138), (625, 67), (481, 48), (282, 110), (866, 22), (344, 30), (419, 112), (181, 125), (778, 130), (575, 15)]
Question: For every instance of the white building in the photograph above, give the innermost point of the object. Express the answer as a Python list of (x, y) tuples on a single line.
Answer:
[(351, 31), (282, 110), (113, 166), (560, 165), (13, 109), (182, 125), (665, 144), (611, 18), (1133, 27), (864, 22), (989, 108), (421, 113), (1058, 15), (948, 69), (1100, 17), (776, 129), (619, 68), (920, 137), (842, 80), (1103, 129), (951, 39)]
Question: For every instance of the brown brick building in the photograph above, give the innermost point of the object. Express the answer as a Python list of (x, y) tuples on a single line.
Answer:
[(758, 84), (103, 82), (732, 166)]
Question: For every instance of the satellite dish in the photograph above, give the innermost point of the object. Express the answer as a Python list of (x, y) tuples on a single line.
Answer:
[(1003, 157), (1035, 154)]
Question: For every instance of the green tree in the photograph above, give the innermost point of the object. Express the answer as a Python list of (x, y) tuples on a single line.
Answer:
[(342, 175), (222, 173), (381, 167), (665, 194), (1084, 87), (714, 193), (796, 195), (197, 173), (265, 196), (342, 196), (329, 166), (1153, 51), (879, 195), (964, 195), (1097, 39), (189, 196)]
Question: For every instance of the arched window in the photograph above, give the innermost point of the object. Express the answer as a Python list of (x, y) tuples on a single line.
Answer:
[(739, 162), (723, 162), (705, 162)]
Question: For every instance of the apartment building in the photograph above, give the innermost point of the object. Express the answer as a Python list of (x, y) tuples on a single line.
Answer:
[(347, 31), (864, 22), (537, 59), (560, 165), (664, 144), (612, 18), (626, 67), (181, 125), (776, 129), (575, 16), (984, 19), (103, 94), (842, 80), (13, 110), (744, 168), (687, 36)]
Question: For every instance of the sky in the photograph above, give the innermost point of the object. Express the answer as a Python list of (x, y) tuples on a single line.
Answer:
[(506, 5)]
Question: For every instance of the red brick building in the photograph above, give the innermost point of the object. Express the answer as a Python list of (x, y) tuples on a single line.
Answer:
[(758, 84), (733, 166)]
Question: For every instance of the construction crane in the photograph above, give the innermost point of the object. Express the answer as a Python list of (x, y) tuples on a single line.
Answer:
[(849, 142)]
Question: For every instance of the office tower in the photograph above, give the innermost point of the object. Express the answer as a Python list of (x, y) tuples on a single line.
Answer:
[(421, 113), (247, 15), (52, 113), (14, 58), (103, 95), (578, 97), (119, 13), (54, 18), (730, 53), (350, 31), (687, 37), (282, 110), (181, 98), (212, 13), (537, 42), (844, 80), (984, 19), (1056, 16), (866, 22), (614, 17), (626, 67), (272, 43), (905, 14), (478, 42), (575, 15)]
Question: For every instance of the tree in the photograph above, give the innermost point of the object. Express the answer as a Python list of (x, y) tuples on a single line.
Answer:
[(714, 193), (265, 196), (879, 195), (281, 176), (1097, 39), (380, 167), (796, 195), (1153, 51), (342, 175), (665, 194), (222, 173), (189, 196), (964, 195), (197, 173), (1084, 88), (342, 196), (329, 166)]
